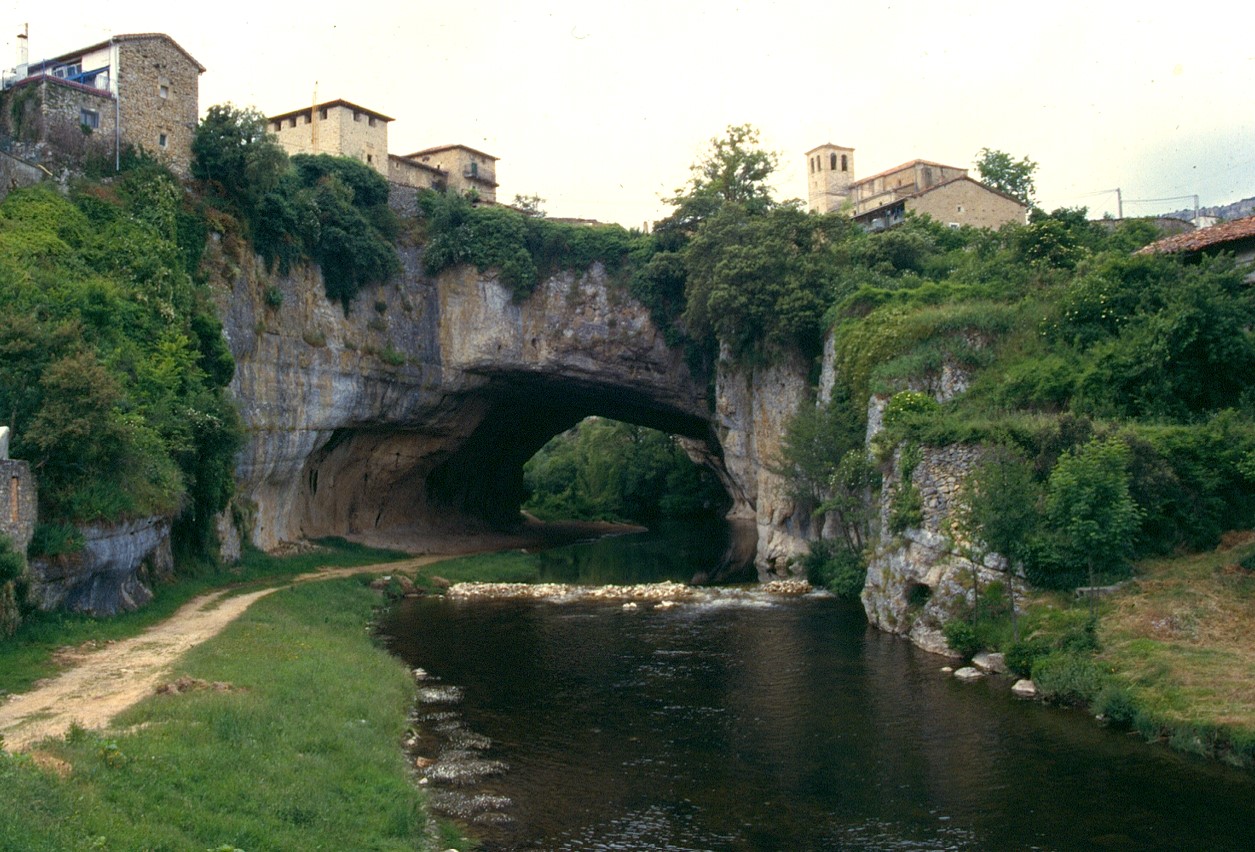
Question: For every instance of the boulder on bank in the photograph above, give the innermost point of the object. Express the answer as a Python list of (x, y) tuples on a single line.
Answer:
[(1025, 689), (969, 673), (991, 663)]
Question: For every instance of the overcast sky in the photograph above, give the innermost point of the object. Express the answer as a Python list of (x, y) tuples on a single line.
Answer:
[(600, 108)]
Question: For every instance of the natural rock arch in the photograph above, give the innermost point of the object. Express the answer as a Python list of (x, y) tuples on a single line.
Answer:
[(416, 409)]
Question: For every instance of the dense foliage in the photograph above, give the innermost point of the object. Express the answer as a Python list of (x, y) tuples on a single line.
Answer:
[(607, 470), (331, 210), (112, 359), (523, 246)]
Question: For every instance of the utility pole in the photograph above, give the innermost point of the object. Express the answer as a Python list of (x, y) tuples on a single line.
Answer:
[(313, 121), (1119, 204)]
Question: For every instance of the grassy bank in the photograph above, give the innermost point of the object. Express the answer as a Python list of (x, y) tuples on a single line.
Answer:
[(31, 654), (299, 751), (1170, 655)]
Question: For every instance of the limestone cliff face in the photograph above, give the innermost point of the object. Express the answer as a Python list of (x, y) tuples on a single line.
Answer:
[(753, 407), (415, 410)]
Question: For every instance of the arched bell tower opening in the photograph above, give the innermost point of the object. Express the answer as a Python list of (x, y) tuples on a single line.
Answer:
[(830, 172)]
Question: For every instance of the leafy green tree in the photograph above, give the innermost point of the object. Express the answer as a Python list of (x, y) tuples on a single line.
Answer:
[(999, 509), (1090, 509), (763, 281), (735, 170), (1004, 173), (233, 152)]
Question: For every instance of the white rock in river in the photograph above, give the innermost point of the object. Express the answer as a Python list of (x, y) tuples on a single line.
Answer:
[(969, 673), (991, 663), (1025, 689)]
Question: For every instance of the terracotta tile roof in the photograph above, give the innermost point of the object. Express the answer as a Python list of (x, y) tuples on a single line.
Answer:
[(908, 165), (1203, 238), (916, 192), (437, 149)]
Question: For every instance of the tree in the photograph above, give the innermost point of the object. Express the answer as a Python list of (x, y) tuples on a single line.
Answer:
[(999, 509), (1090, 509), (734, 171), (1014, 177), (233, 152)]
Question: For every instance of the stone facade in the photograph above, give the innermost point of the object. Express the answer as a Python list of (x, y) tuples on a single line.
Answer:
[(945, 193), (339, 128), (963, 201), (830, 171), (467, 169), (18, 502), (159, 89), (141, 90)]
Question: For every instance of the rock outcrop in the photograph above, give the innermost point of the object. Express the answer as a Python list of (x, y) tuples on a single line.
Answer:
[(104, 578)]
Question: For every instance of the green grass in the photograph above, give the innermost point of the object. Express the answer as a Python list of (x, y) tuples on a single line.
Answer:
[(303, 753), (29, 655), (511, 566)]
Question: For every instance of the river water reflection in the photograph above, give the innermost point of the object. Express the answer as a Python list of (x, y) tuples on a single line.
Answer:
[(752, 722)]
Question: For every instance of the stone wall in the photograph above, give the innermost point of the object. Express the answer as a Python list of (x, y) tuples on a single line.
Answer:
[(18, 502), (16, 172), (966, 202), (160, 98), (343, 131)]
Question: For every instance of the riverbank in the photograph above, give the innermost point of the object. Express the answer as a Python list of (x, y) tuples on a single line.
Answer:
[(283, 732)]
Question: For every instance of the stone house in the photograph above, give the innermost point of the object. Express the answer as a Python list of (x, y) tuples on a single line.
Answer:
[(339, 128), (345, 129), (945, 193), (466, 168), (139, 89)]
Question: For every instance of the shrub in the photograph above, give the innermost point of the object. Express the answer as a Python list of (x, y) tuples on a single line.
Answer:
[(962, 637), (836, 568), (12, 563), (1021, 655), (1067, 677)]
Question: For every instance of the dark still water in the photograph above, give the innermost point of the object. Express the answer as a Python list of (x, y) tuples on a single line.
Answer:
[(743, 721)]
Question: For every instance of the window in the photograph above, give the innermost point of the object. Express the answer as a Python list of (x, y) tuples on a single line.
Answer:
[(812, 165), (89, 118), (357, 116), (370, 158), (163, 90), (292, 121), (372, 121), (844, 164), (832, 162), (322, 114), (163, 141), (474, 169)]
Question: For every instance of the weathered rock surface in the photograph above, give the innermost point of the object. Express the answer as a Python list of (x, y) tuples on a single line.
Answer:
[(991, 663), (969, 673), (104, 578), (1025, 689), (920, 578)]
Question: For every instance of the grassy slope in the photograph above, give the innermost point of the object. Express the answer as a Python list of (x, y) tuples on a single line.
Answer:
[(31, 654), (302, 753), (1180, 640)]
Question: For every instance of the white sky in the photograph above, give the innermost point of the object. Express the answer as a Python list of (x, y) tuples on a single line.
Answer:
[(600, 107)]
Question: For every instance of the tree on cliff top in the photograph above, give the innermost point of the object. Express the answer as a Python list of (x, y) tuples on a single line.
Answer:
[(735, 170), (1014, 177)]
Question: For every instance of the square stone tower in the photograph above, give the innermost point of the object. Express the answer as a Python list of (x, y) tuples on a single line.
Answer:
[(830, 172)]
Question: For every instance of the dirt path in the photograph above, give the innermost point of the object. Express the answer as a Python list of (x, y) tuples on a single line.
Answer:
[(101, 683)]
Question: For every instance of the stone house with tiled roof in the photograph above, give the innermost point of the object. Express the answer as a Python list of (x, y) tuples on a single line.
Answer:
[(945, 193), (137, 89), (1236, 237)]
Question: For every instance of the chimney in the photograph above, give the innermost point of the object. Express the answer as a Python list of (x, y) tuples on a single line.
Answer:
[(23, 51)]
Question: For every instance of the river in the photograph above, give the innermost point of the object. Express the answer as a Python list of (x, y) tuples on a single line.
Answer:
[(744, 721)]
